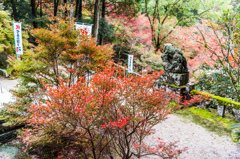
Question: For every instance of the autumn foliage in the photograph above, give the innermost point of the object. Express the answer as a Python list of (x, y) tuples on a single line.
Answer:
[(102, 118), (61, 54)]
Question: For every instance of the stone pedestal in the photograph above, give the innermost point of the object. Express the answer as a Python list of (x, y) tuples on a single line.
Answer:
[(179, 90), (176, 83), (178, 79)]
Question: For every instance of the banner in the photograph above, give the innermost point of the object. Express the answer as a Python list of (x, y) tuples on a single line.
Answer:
[(17, 30), (85, 29), (130, 63)]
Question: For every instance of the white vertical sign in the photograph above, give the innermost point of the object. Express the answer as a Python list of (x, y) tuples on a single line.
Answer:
[(17, 30), (130, 63), (84, 29)]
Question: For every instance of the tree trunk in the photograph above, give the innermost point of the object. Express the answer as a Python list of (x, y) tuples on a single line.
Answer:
[(14, 10), (103, 8), (103, 18), (76, 9), (55, 7), (41, 13), (65, 12), (80, 10), (96, 18), (34, 13)]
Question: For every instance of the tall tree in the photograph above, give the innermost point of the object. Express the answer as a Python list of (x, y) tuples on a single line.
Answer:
[(34, 13), (55, 7), (65, 12), (14, 10), (103, 18), (222, 45), (41, 12), (78, 10), (96, 18), (103, 8)]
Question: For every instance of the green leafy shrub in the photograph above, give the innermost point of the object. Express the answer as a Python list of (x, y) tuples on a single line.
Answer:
[(236, 132), (216, 83), (106, 30)]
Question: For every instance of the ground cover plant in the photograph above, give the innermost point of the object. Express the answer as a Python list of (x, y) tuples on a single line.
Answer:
[(216, 83), (208, 120)]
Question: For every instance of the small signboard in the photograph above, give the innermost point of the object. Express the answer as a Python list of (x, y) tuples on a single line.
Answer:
[(130, 63), (17, 30), (85, 29)]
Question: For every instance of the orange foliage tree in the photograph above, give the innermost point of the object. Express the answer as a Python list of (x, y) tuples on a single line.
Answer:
[(61, 54)]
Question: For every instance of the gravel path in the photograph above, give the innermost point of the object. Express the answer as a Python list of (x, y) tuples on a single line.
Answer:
[(201, 143)]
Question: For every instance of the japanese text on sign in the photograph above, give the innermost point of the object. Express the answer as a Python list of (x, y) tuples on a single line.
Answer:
[(130, 63), (18, 38)]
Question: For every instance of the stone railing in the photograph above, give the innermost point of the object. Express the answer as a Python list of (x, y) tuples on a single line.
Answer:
[(224, 105)]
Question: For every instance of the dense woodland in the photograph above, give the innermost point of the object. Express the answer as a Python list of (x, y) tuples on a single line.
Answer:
[(69, 116)]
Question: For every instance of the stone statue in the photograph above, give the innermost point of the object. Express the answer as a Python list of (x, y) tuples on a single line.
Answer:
[(176, 76), (173, 60)]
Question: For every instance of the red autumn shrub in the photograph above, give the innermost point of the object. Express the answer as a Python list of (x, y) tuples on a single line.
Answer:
[(101, 118)]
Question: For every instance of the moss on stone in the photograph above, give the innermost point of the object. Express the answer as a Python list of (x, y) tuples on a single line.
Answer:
[(220, 100)]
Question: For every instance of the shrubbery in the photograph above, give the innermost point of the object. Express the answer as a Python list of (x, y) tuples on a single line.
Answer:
[(216, 82), (60, 54), (106, 117)]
